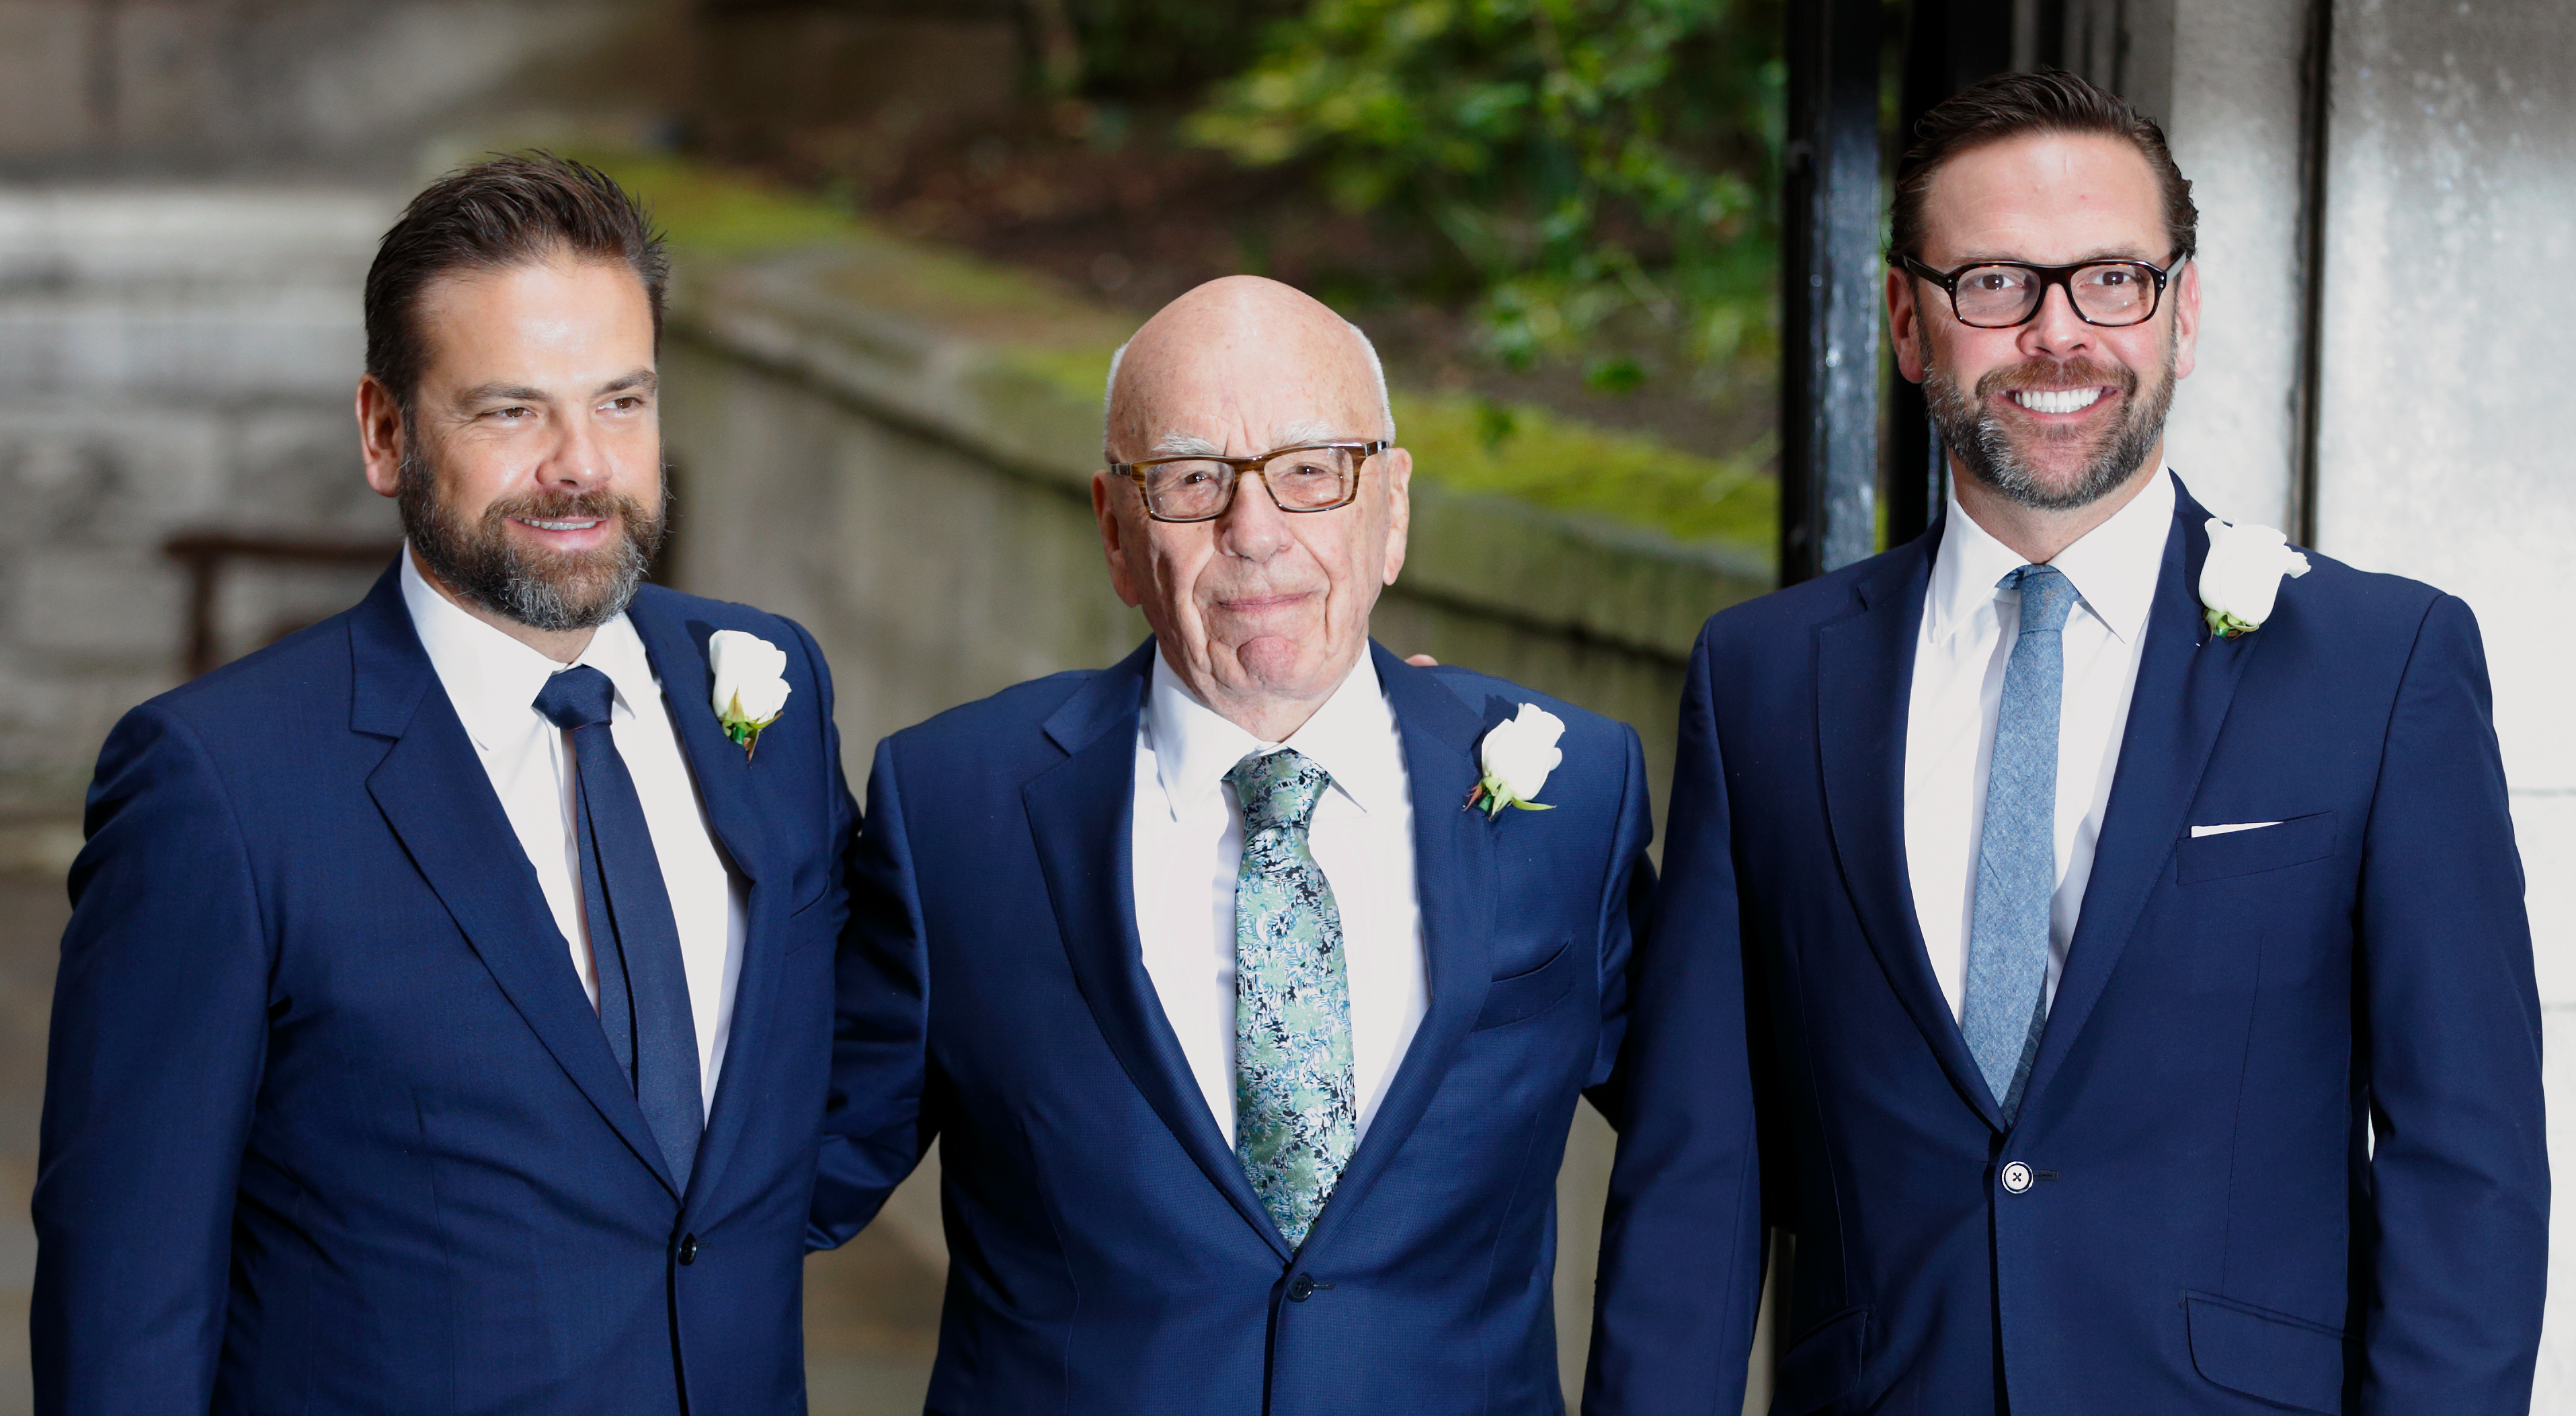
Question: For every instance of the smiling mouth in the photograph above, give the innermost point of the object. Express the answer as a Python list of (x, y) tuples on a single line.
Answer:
[(566, 524), (2058, 400)]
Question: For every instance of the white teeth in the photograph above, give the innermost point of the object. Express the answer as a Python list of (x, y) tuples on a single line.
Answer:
[(2057, 400), (558, 525)]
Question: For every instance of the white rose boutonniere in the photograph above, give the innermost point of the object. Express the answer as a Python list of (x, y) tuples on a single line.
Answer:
[(751, 684), (2242, 576), (1517, 756)]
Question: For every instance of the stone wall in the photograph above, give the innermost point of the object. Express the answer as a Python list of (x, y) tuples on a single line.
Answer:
[(190, 191), (302, 86), (170, 360)]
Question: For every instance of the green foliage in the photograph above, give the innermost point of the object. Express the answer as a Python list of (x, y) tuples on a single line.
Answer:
[(1060, 349), (1168, 51), (1601, 165)]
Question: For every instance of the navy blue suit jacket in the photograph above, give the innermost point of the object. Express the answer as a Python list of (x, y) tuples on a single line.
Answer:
[(329, 1123), (1106, 1252), (2208, 1228)]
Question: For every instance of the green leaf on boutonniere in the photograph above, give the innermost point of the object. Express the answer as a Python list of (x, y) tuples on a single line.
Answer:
[(2225, 625), (747, 666), (1496, 794), (1516, 757)]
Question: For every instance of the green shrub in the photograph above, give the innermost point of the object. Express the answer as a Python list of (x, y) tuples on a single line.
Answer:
[(1602, 165)]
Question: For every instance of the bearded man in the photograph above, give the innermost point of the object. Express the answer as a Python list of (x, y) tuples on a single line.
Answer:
[(444, 1016), (2125, 906)]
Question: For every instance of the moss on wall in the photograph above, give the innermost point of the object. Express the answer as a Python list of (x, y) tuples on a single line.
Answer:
[(1061, 344)]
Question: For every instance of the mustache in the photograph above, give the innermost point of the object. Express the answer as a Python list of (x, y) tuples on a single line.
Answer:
[(539, 586), (2079, 372), (595, 504)]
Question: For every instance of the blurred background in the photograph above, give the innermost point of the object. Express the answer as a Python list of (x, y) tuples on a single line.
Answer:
[(909, 234)]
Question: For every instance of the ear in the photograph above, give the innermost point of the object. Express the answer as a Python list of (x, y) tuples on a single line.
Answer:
[(1904, 333), (1399, 511), (1113, 539), (380, 436), (2186, 335)]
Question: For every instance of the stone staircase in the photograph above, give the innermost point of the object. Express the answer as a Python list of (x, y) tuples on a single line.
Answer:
[(172, 358)]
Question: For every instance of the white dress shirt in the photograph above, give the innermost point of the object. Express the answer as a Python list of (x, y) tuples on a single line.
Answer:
[(1188, 839), (493, 680), (1959, 660)]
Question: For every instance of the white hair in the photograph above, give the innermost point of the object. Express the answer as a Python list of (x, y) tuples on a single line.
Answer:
[(1377, 381)]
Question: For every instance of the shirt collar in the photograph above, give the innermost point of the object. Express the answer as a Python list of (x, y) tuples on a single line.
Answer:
[(494, 679), (2113, 567), (1352, 737)]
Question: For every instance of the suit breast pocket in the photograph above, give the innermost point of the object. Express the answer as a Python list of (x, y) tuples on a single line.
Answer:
[(1526, 995), (2295, 841)]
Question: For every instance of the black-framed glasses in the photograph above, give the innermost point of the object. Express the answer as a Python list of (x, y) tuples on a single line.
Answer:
[(2002, 294), (1307, 477)]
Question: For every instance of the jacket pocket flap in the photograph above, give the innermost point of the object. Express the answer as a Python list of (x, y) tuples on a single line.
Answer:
[(1822, 1367), (2294, 842), (1526, 995), (2281, 1359)]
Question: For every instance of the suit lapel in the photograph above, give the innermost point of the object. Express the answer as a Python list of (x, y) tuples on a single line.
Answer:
[(1081, 812), (1864, 682), (2186, 680), (1455, 881), (727, 787), (434, 793)]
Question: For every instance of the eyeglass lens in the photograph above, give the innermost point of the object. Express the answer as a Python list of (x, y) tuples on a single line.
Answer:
[(2113, 293), (1308, 479)]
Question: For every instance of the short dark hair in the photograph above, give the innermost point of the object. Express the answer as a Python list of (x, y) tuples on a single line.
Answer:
[(518, 209), (2025, 105)]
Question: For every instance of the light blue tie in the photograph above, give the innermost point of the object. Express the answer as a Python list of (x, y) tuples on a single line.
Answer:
[(1296, 1110), (2007, 999)]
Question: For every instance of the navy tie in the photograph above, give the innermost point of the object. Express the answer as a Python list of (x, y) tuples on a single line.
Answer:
[(635, 944)]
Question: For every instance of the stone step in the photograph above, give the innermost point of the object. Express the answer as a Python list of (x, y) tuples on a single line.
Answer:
[(55, 239)]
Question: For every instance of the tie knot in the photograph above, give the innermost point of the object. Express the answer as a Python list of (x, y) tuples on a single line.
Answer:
[(2046, 597), (1278, 789), (576, 698)]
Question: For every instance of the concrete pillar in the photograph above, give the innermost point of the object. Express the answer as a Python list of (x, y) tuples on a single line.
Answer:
[(2449, 335), (2234, 126)]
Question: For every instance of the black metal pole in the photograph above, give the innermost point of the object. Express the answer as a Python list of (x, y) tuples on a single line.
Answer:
[(2315, 118), (1949, 44), (1831, 307)]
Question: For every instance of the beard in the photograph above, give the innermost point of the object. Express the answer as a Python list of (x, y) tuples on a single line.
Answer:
[(542, 589), (1994, 456)]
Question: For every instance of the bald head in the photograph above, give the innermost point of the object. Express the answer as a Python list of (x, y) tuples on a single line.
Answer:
[(1240, 332), (1261, 611)]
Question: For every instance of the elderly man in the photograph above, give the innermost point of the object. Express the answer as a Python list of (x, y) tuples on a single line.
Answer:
[(1251, 1042), (2129, 902)]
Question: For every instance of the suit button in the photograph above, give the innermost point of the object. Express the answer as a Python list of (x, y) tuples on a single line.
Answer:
[(688, 1248), (1302, 1289), (2016, 1177)]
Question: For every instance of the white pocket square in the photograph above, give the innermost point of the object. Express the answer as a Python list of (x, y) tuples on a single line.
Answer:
[(2199, 831)]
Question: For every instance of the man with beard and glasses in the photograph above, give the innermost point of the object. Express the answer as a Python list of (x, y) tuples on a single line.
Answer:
[(2123, 908), (445, 1013)]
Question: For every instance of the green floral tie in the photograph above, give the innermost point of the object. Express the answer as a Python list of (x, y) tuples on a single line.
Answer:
[(1296, 1113)]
